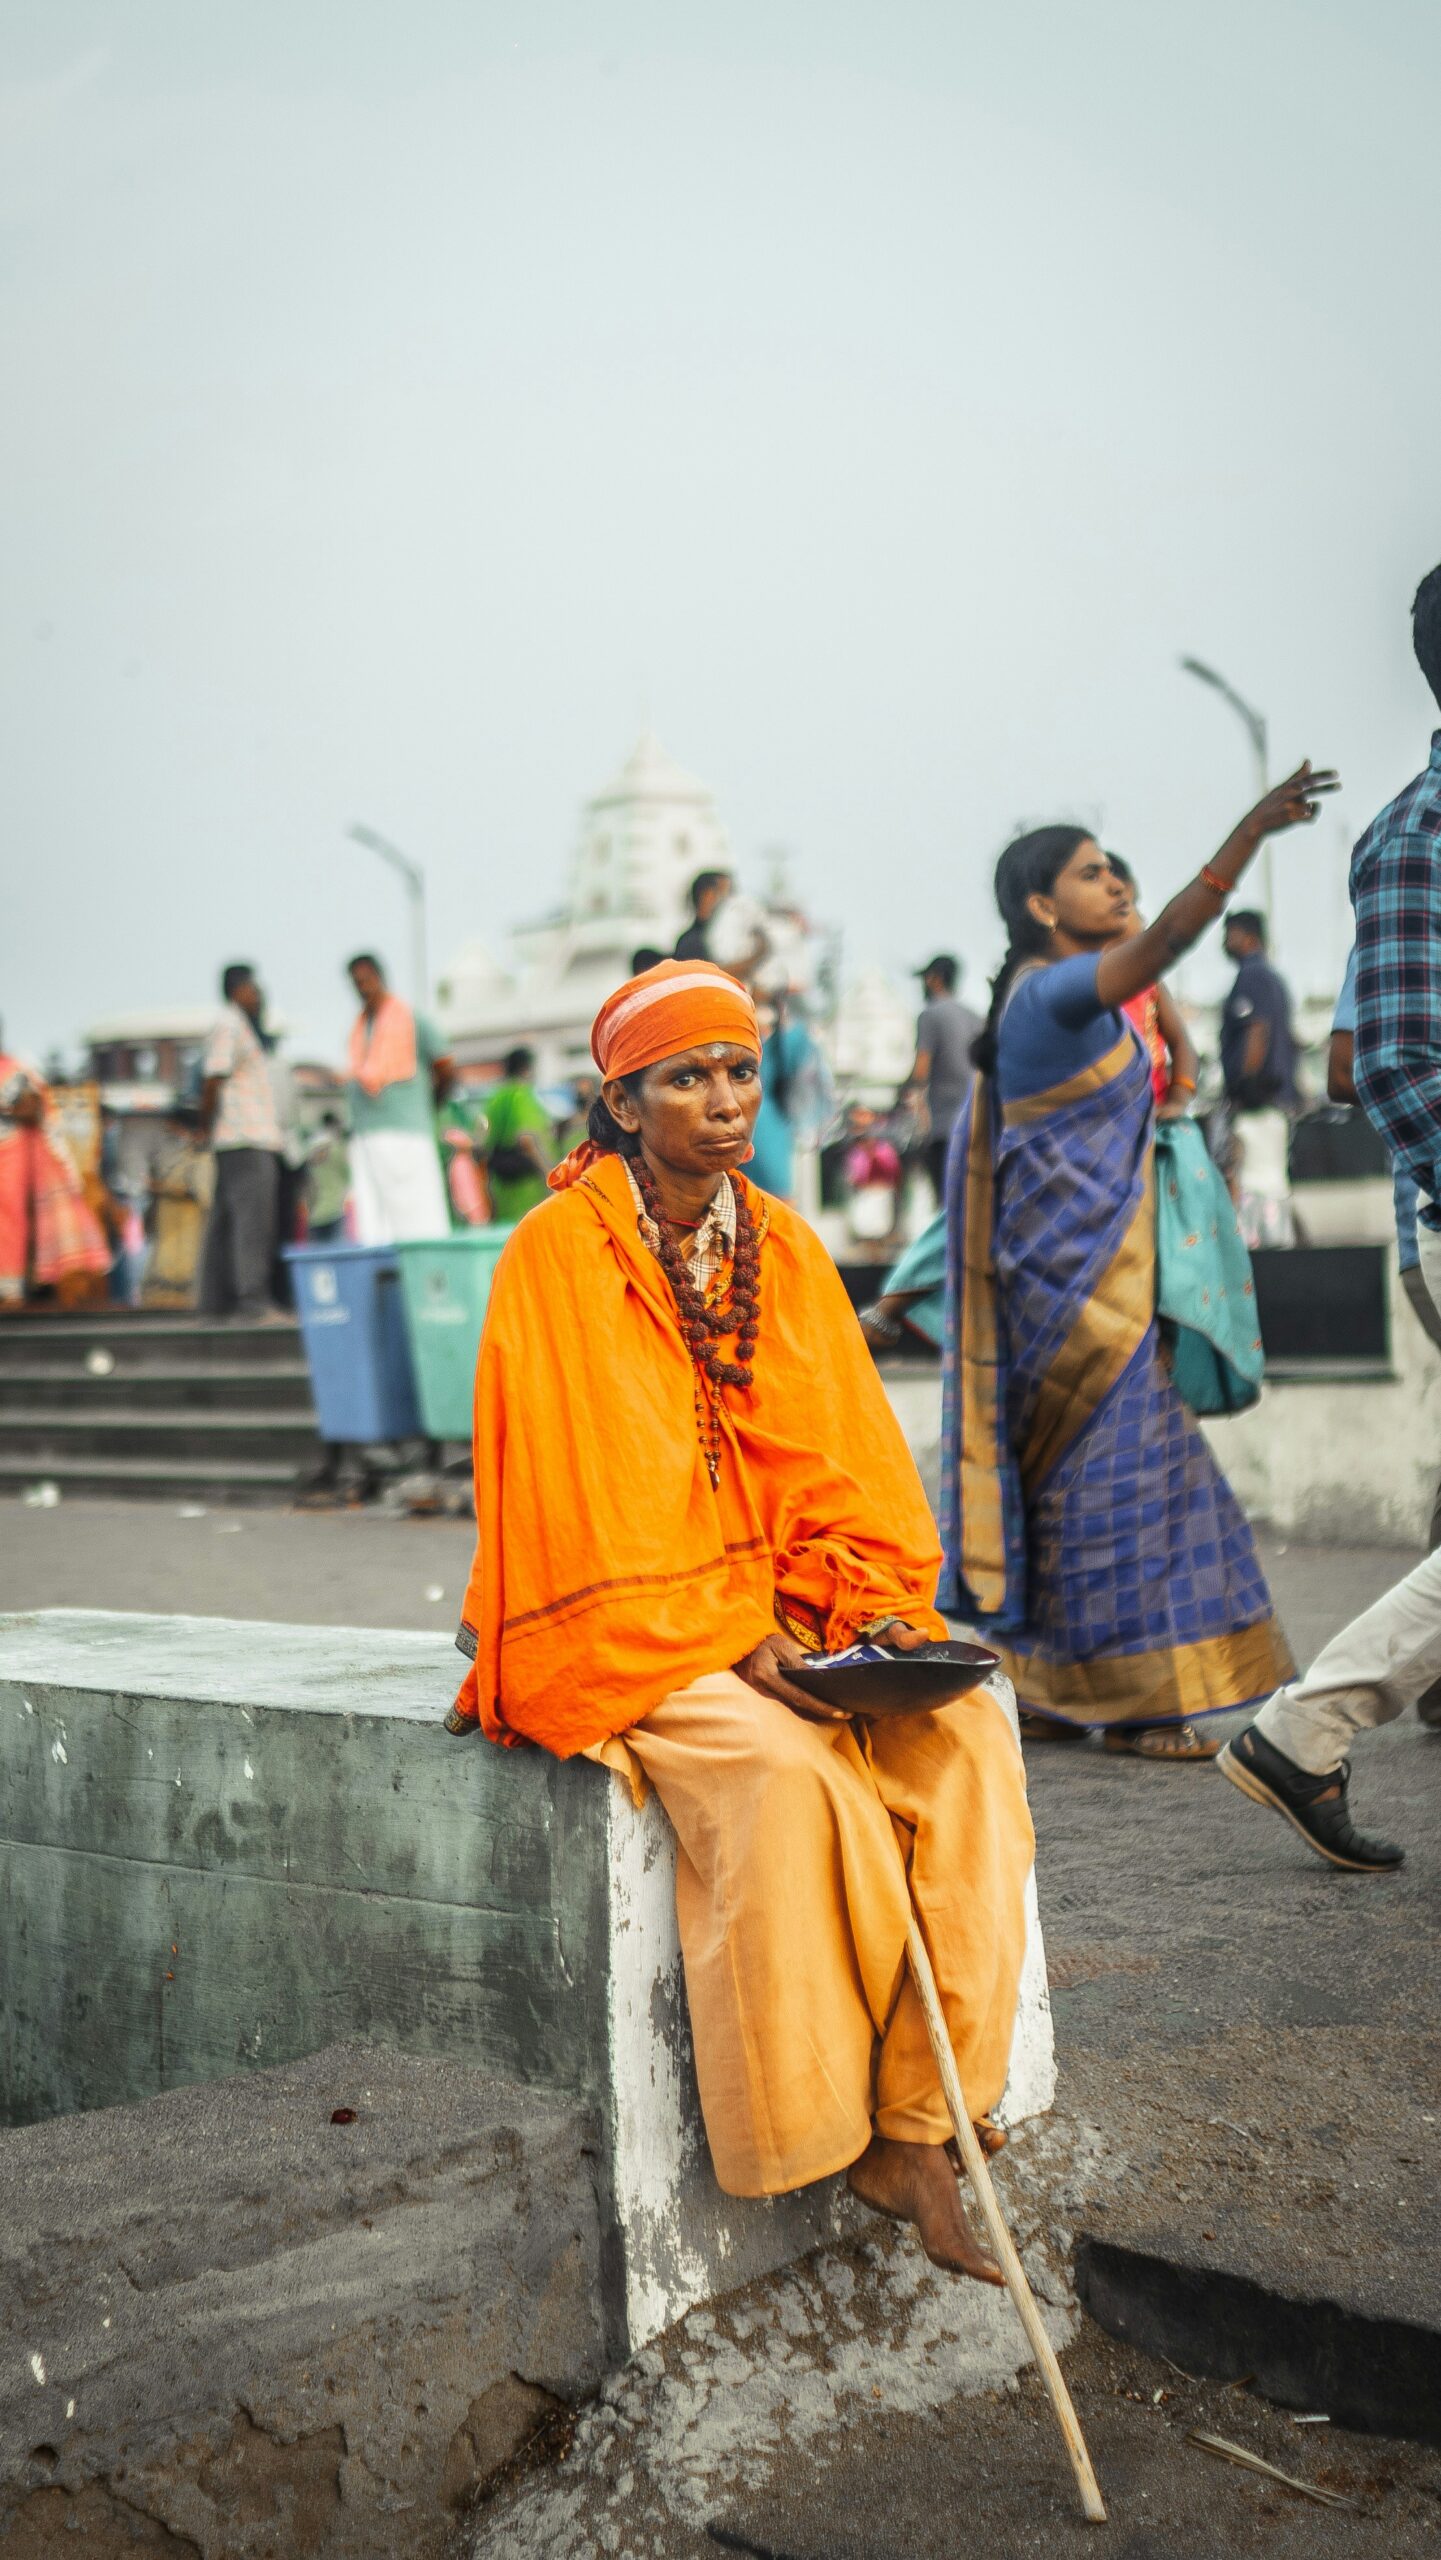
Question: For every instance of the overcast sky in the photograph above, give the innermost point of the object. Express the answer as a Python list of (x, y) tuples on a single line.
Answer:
[(404, 399)]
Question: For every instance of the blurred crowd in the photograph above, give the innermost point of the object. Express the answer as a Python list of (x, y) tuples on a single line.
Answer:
[(248, 1162)]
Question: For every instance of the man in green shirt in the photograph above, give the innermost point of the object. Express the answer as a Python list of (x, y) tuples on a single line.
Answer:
[(518, 1140)]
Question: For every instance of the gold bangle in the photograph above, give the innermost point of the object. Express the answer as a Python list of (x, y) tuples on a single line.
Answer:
[(1183, 1084)]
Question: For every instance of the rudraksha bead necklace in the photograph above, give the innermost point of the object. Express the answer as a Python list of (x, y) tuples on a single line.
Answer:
[(706, 1327)]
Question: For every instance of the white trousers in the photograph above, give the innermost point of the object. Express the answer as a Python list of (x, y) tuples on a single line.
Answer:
[(398, 1187), (1379, 1665), (1373, 1670)]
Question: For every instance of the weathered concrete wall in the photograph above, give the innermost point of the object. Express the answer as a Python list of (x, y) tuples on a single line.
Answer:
[(224, 1845)]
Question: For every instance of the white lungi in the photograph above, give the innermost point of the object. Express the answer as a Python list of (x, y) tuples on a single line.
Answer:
[(1379, 1665), (398, 1188)]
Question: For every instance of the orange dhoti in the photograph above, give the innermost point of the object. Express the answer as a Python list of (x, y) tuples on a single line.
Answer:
[(793, 1907)]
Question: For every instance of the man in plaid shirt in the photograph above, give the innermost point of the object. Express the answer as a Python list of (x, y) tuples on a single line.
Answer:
[(1293, 1757), (1396, 892)]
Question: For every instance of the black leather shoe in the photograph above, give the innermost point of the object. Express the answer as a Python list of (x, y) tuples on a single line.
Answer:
[(1316, 1807)]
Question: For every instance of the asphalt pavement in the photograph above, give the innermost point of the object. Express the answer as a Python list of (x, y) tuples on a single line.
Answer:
[(368, 1568)]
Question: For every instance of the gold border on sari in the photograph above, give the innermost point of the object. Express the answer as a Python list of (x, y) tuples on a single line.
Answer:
[(983, 1555), (1165, 1685), (1102, 1342)]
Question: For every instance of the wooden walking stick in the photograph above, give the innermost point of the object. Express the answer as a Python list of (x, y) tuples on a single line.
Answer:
[(1000, 2238)]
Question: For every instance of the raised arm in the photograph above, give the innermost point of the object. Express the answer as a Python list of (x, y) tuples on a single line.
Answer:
[(1128, 967)]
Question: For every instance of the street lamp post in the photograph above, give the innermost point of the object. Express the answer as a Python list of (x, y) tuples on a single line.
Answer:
[(1254, 723), (414, 878)]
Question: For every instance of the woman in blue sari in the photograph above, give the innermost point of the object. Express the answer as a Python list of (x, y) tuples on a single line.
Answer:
[(1088, 1531)]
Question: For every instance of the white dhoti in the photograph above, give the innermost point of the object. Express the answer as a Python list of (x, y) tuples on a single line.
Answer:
[(398, 1187)]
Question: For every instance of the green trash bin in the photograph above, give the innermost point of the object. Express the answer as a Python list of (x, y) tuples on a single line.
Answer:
[(446, 1288)]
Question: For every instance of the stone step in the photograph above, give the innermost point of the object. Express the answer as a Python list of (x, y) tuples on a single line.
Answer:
[(140, 1338), (210, 1387), (46, 1435)]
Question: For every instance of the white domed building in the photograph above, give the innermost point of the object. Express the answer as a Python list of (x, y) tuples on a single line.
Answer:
[(642, 840)]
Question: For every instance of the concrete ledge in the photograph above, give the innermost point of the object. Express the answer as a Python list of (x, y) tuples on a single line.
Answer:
[(224, 1845)]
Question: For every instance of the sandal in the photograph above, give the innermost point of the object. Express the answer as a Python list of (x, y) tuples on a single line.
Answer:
[(1048, 1728), (1162, 1742), (455, 1722), (883, 1332)]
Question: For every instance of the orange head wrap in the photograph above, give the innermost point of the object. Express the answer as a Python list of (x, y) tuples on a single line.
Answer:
[(671, 1007)]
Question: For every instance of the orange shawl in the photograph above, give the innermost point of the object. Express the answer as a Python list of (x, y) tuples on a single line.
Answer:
[(607, 1572), (383, 1051)]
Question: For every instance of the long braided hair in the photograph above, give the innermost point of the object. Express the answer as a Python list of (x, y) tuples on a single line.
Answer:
[(1027, 869)]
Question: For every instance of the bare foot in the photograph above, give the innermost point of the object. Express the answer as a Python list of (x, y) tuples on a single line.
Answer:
[(914, 2182)]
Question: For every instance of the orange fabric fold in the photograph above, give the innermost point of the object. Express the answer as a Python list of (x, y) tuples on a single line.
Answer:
[(383, 1051), (608, 1573)]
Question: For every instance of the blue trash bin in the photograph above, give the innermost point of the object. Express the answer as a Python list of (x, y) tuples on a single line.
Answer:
[(352, 1323)]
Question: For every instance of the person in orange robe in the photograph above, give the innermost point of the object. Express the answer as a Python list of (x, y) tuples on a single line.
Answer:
[(687, 1475), (50, 1237)]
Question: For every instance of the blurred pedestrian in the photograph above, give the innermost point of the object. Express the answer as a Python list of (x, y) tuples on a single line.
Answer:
[(462, 1151), (796, 1095), (50, 1237), (873, 1174), (1087, 1527), (584, 1094), (181, 1187), (940, 1077), (1258, 1066), (1155, 1014), (518, 1151), (290, 1166), (238, 1118), (708, 890), (399, 1072), (327, 1181)]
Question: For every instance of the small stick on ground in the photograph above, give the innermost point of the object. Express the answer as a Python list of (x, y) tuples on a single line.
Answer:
[(1237, 2453)]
